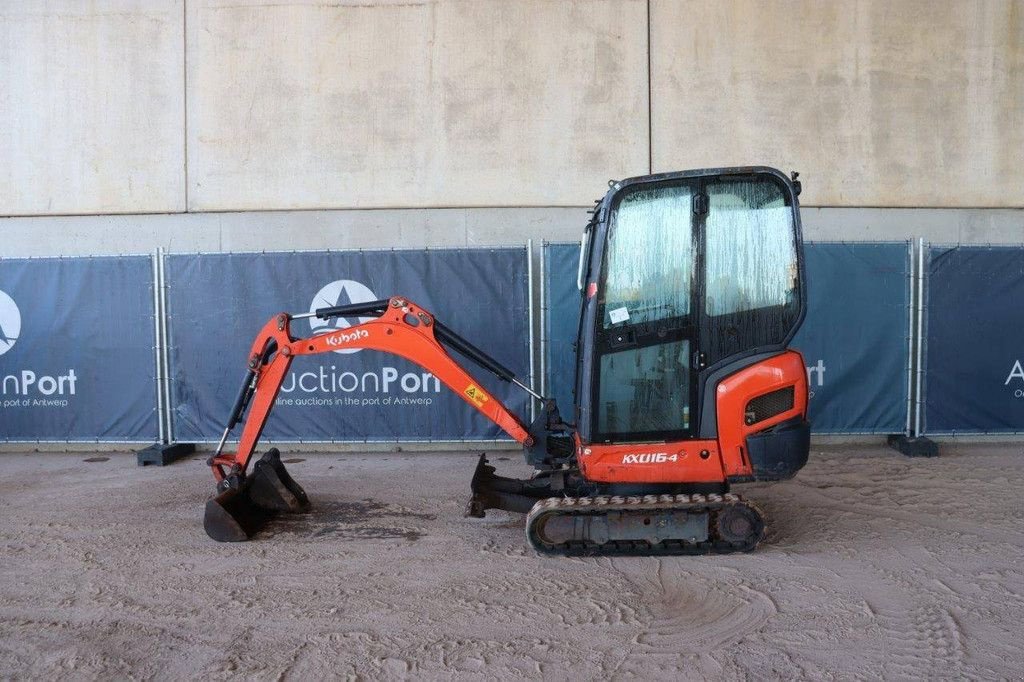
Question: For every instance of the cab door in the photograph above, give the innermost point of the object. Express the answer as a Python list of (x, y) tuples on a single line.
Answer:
[(645, 336), (749, 280)]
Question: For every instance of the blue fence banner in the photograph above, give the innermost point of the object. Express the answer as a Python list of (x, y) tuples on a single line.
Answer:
[(854, 339), (217, 303), (561, 323), (974, 340), (77, 359)]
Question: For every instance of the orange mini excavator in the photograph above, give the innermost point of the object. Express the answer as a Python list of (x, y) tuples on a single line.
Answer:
[(692, 285)]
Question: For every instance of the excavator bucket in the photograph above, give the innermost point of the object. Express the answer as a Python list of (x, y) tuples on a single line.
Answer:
[(232, 517), (236, 514)]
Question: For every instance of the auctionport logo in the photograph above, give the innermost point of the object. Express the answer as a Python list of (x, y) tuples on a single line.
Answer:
[(330, 385), (1016, 376), (340, 292), (10, 322), (815, 377), (23, 387)]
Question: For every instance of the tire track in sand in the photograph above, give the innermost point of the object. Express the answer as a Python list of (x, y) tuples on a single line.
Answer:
[(921, 633), (689, 619)]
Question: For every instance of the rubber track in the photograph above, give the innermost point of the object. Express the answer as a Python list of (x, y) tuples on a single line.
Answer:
[(546, 509)]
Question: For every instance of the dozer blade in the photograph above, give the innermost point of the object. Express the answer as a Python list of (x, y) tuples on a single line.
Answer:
[(237, 514), (491, 491)]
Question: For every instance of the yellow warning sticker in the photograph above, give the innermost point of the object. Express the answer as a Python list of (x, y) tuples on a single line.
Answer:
[(477, 395)]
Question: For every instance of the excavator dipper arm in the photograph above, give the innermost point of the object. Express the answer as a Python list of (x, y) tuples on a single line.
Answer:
[(400, 327)]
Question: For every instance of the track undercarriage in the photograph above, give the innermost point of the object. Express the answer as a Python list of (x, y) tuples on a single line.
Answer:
[(569, 516), (651, 524)]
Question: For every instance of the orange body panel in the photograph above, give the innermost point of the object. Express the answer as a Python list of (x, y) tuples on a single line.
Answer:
[(681, 461), (673, 462), (735, 391)]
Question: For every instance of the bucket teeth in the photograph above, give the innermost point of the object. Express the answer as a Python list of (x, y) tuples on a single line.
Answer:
[(238, 513)]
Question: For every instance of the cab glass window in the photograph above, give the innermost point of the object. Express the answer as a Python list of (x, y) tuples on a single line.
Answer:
[(750, 248), (649, 257), (644, 391)]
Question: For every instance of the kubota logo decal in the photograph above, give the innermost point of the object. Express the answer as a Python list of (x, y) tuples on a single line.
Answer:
[(10, 322), (343, 338), (340, 292), (649, 458)]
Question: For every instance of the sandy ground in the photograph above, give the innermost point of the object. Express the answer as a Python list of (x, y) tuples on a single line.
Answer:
[(875, 566)]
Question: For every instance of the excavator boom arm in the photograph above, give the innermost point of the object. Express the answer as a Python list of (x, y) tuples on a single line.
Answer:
[(401, 328)]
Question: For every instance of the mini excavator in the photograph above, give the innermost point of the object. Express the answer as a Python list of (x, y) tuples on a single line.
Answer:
[(692, 286)]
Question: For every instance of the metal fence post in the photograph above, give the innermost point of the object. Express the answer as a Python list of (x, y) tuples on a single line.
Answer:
[(920, 334), (911, 310), (166, 450), (532, 332), (543, 319), (158, 348), (161, 259)]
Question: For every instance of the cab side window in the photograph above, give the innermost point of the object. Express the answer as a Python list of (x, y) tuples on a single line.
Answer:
[(751, 275)]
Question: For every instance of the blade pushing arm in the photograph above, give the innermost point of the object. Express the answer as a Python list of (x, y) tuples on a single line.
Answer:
[(401, 327)]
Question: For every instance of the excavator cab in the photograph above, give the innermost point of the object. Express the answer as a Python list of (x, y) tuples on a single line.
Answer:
[(685, 277)]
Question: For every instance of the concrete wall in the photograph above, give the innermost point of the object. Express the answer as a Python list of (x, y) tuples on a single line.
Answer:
[(878, 102), (480, 103), (91, 107), (404, 228), (466, 111)]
